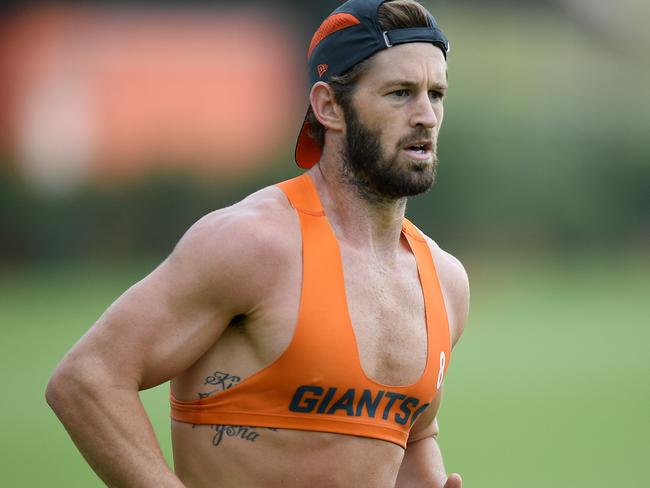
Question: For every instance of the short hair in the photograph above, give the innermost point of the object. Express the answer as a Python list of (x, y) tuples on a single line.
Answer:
[(393, 14)]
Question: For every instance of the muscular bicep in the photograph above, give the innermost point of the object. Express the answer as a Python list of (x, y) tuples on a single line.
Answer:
[(164, 323), (156, 328)]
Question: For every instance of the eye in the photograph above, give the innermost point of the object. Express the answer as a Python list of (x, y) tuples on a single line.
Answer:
[(401, 93), (436, 95)]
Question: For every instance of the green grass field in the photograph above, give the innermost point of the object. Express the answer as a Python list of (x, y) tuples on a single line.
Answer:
[(549, 387)]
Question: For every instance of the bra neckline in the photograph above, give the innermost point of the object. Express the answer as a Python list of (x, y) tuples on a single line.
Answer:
[(318, 210)]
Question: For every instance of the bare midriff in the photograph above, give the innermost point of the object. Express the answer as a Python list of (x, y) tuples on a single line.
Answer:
[(241, 457)]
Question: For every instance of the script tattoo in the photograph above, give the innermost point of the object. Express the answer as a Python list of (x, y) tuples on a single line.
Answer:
[(250, 434), (222, 382)]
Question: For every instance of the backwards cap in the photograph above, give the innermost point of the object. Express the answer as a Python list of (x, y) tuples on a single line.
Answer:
[(348, 36)]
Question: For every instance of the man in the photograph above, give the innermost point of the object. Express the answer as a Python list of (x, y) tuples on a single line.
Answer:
[(307, 329)]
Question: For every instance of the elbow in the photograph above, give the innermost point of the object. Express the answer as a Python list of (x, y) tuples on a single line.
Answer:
[(60, 389), (82, 382), (71, 386)]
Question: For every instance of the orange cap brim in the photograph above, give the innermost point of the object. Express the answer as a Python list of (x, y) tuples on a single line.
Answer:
[(308, 152)]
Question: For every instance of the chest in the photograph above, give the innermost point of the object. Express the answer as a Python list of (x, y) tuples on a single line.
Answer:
[(386, 309), (385, 306)]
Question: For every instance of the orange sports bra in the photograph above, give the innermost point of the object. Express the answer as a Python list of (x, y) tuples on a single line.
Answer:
[(318, 383)]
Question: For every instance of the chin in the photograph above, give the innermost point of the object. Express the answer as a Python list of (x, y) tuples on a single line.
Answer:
[(418, 184), (419, 165)]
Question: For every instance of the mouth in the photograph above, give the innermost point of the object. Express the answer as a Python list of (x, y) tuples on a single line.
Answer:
[(419, 150)]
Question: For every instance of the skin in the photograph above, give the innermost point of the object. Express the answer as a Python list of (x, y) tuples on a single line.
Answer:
[(209, 307)]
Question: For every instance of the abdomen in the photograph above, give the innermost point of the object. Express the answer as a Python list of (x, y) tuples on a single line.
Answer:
[(242, 457)]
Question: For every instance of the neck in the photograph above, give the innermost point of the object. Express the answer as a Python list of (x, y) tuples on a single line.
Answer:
[(360, 219)]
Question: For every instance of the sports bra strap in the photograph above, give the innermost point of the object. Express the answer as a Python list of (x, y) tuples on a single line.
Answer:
[(302, 195)]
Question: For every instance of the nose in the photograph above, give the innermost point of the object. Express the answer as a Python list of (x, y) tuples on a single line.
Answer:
[(424, 113)]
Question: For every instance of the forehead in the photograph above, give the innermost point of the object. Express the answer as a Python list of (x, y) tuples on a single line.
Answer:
[(416, 62)]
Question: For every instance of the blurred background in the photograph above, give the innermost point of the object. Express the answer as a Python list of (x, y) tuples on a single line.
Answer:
[(122, 123)]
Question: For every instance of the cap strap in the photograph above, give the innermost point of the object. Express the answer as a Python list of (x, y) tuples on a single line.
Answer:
[(417, 34)]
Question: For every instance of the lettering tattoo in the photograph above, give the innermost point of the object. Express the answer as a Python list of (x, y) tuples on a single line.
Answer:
[(250, 434), (222, 382)]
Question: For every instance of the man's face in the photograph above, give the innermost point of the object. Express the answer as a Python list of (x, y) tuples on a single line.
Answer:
[(393, 123)]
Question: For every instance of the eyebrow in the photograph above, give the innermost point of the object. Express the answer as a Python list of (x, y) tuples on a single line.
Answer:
[(411, 84)]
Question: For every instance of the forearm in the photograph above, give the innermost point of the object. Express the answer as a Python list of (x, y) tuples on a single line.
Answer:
[(422, 466), (111, 429)]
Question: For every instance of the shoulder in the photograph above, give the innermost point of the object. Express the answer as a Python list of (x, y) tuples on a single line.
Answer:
[(258, 223), (243, 247), (455, 287)]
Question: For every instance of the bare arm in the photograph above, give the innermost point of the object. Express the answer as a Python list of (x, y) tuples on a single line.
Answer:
[(154, 331), (422, 466)]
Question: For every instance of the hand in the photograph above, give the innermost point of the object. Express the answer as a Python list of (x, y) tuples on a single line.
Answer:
[(454, 481)]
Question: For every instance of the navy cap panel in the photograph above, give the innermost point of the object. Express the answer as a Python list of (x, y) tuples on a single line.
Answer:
[(366, 12), (368, 16), (365, 8), (334, 52)]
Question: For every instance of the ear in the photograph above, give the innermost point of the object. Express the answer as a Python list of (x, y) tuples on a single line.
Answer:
[(327, 111)]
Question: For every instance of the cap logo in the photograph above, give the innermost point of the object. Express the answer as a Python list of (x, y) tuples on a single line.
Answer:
[(322, 69), (330, 25)]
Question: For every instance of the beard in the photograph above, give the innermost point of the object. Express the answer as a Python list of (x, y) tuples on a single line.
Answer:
[(377, 176)]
